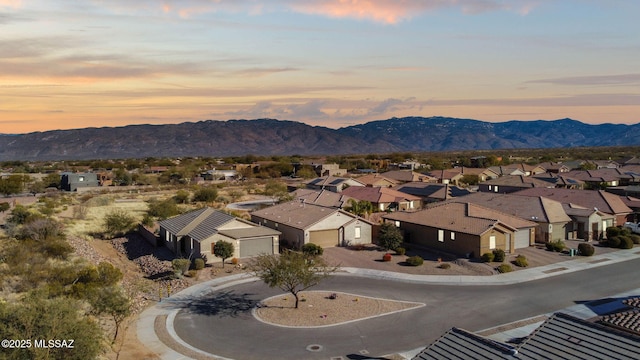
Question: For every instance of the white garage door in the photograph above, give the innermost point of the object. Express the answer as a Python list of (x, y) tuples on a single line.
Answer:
[(522, 239)]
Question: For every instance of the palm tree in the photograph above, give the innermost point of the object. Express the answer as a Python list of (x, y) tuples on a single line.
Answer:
[(360, 208)]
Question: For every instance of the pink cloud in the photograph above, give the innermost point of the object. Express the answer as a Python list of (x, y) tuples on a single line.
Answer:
[(11, 3)]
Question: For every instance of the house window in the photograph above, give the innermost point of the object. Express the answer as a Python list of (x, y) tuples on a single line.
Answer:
[(357, 232), (410, 204), (275, 225), (492, 242), (453, 235), (397, 223), (441, 235), (490, 187), (495, 188), (381, 206), (81, 178)]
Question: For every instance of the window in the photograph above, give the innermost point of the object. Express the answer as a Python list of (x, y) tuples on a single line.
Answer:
[(441, 235), (81, 178), (276, 225), (492, 242), (490, 187), (453, 235), (495, 188), (397, 223), (357, 232)]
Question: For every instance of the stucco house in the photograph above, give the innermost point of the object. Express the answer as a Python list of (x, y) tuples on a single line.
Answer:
[(332, 183), (430, 192), (73, 181), (512, 183), (302, 223), (552, 221), (464, 229), (321, 197), (193, 235), (598, 200), (384, 199)]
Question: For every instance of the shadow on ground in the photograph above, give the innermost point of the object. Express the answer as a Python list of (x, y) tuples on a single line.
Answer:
[(221, 304)]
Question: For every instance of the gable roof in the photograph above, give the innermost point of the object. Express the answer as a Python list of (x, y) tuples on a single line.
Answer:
[(298, 214), (596, 199), (461, 344), (333, 181), (461, 217), (376, 180), (322, 197), (378, 195), (518, 181), (537, 209), (432, 190), (198, 224), (407, 176), (561, 336)]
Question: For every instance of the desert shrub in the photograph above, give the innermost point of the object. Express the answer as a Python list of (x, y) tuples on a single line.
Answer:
[(445, 266), (557, 246), (613, 231), (635, 238), (625, 231), (625, 242), (498, 255), (80, 212), (234, 261), (163, 209), (180, 266), (386, 257), (401, 251), (504, 268), (415, 260), (614, 241), (191, 273), (118, 222), (205, 194), (586, 249), (487, 257), (198, 264), (312, 250), (521, 261)]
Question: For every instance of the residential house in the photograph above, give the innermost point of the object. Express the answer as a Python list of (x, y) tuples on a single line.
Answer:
[(595, 199), (324, 170), (604, 164), (552, 221), (321, 197), (376, 180), (194, 234), (588, 223), (604, 177), (464, 229), (301, 223), (561, 336), (384, 199), (215, 174), (430, 192), (332, 183), (508, 170), (74, 181), (512, 183), (555, 167), (560, 181), (405, 176), (448, 176), (483, 174)]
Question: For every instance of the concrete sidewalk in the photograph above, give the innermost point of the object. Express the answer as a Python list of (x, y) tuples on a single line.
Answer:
[(167, 308)]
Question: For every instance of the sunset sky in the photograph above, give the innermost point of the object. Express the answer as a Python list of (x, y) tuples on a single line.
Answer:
[(93, 63)]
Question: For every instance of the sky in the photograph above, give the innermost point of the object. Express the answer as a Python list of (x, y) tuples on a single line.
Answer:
[(68, 64)]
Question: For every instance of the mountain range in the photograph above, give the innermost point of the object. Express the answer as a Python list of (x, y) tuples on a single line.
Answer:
[(278, 137)]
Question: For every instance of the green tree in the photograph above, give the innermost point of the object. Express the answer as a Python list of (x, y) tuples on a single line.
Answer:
[(118, 222), (223, 250), (37, 317), (389, 236), (182, 197), (312, 250), (113, 302), (360, 208), (13, 184), (291, 271), (163, 209), (4, 206), (205, 194)]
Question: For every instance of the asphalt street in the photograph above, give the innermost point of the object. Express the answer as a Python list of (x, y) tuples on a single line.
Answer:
[(221, 322)]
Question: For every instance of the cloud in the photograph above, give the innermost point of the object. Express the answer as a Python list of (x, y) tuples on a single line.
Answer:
[(380, 11), (14, 4), (623, 79), (259, 72), (619, 99)]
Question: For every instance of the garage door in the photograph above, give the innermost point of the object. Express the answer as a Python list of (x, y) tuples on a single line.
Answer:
[(254, 247), (324, 238), (522, 239)]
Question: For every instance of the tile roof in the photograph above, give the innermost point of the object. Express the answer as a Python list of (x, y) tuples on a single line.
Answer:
[(298, 214), (250, 232), (561, 336), (377, 195), (461, 344), (432, 190), (407, 176), (198, 224), (537, 209), (519, 180), (322, 197), (597, 199), (460, 217), (376, 179)]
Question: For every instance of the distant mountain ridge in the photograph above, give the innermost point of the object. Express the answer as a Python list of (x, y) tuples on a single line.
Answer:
[(280, 137)]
